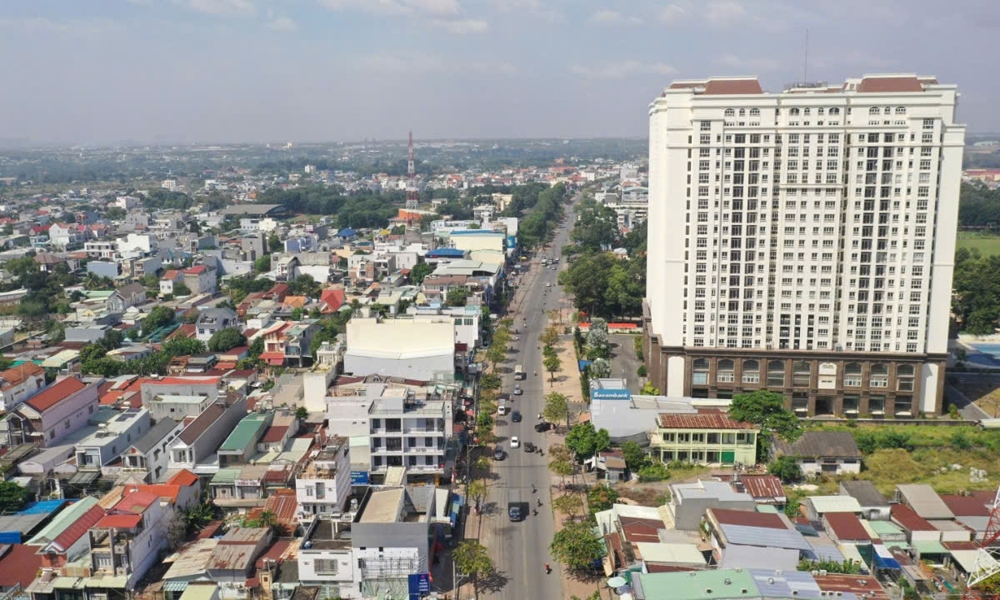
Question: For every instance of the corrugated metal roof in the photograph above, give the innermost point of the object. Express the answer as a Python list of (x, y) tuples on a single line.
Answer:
[(784, 583), (929, 547), (63, 521), (834, 504), (679, 554), (736, 556), (924, 501), (765, 537)]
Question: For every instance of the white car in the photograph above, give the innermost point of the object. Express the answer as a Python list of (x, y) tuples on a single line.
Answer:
[(514, 442), (548, 284)]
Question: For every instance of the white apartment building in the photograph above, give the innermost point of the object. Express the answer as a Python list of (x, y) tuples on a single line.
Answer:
[(815, 255), (323, 486)]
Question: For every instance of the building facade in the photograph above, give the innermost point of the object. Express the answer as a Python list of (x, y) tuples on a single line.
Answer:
[(815, 255)]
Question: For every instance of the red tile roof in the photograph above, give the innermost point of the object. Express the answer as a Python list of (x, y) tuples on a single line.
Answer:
[(274, 433), (78, 528), (195, 270), (162, 490), (19, 565), (55, 393), (859, 585), (194, 380), (908, 519), (965, 506), (119, 522), (889, 85), (333, 299), (846, 526), (183, 477), (274, 552), (20, 374), (733, 86), (762, 486), (137, 501), (701, 420), (748, 518)]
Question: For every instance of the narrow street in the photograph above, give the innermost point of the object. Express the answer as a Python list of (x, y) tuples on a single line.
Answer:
[(520, 550)]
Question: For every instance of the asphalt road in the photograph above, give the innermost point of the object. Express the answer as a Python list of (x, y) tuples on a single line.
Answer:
[(520, 550)]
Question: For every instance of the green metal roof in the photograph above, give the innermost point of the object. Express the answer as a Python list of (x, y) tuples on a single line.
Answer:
[(247, 431), (929, 547), (767, 508), (62, 521), (698, 585), (226, 476), (885, 527)]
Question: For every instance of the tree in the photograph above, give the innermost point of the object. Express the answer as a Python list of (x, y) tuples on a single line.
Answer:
[(419, 272), (577, 546), (560, 452), (262, 264), (785, 468), (654, 470), (226, 339), (562, 468), (569, 504), (601, 498), (635, 456), (490, 381), (177, 530), (274, 243), (12, 497), (649, 390), (767, 410), (181, 290), (476, 491), (556, 408), (549, 337), (92, 352), (473, 559), (305, 285), (183, 346), (301, 413), (457, 296), (552, 364), (600, 368), (585, 441), (160, 316)]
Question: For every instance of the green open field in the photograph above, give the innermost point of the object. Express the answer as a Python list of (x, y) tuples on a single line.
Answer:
[(987, 244)]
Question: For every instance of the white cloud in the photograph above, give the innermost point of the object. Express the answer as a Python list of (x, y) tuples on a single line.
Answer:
[(282, 24), (532, 8), (673, 13), (621, 70), (749, 64), (613, 17), (236, 8), (724, 12), (461, 26)]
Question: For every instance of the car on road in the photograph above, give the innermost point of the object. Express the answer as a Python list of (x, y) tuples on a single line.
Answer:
[(514, 442), (529, 447), (515, 416), (498, 453), (543, 426), (517, 390), (548, 284)]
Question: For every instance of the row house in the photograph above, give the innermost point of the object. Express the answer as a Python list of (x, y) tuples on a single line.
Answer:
[(54, 413), (126, 543), (113, 435), (148, 457), (20, 383), (213, 320), (287, 343), (206, 432), (324, 485)]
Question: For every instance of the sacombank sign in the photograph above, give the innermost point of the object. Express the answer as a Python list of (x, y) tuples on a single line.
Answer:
[(611, 395)]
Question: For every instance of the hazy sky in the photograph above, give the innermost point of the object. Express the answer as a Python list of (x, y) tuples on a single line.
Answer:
[(273, 70)]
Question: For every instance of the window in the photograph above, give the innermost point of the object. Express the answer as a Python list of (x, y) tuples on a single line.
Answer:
[(904, 378), (751, 371), (730, 112), (852, 375), (325, 566), (801, 371), (873, 110), (776, 374), (725, 371), (700, 371), (879, 377)]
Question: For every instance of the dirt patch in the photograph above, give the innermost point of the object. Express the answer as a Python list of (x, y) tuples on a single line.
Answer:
[(642, 495), (984, 394)]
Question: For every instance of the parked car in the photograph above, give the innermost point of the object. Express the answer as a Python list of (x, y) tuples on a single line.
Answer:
[(517, 390), (529, 447), (543, 426), (515, 416), (498, 453), (514, 442)]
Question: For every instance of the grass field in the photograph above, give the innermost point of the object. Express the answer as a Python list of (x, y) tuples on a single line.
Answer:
[(986, 243)]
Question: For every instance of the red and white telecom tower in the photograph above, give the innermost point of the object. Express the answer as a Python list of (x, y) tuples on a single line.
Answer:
[(988, 559), (412, 194)]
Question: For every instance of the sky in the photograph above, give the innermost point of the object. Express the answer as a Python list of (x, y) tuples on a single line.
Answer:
[(195, 71)]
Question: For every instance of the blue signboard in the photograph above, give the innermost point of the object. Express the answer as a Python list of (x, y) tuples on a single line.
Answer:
[(419, 584), (359, 478), (611, 394)]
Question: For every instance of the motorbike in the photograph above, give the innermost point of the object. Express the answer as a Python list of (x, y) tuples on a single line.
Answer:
[(548, 569)]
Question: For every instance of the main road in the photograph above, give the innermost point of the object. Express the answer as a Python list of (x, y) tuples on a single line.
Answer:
[(520, 550)]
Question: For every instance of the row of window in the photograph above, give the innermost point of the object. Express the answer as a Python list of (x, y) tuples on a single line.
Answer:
[(878, 373)]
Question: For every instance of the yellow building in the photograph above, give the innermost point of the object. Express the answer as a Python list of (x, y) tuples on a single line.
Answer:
[(706, 437)]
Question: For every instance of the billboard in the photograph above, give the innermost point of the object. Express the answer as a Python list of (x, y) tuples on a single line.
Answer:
[(419, 585), (359, 478), (618, 394)]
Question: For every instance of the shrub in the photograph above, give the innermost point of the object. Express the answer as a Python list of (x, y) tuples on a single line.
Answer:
[(641, 371), (655, 471)]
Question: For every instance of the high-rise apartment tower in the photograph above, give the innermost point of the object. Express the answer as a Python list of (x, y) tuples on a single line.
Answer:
[(804, 242)]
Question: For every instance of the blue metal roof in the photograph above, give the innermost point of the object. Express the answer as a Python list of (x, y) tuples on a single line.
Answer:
[(43, 507), (765, 537), (347, 232), (446, 253)]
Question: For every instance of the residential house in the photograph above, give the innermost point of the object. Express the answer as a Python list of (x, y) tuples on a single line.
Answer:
[(66, 236), (19, 383), (213, 320), (707, 437), (127, 542), (65, 538), (641, 538), (823, 453), (326, 558), (200, 279), (689, 501), (764, 489), (874, 506), (332, 299), (287, 342), (126, 297), (241, 444), (169, 279), (817, 506), (131, 352), (420, 351), (202, 437), (234, 557), (52, 414), (324, 485), (179, 397), (114, 433), (749, 539), (149, 455), (18, 565)]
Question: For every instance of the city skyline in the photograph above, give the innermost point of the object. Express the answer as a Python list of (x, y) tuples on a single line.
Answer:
[(228, 71)]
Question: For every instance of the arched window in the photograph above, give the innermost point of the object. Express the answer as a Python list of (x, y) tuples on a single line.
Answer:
[(904, 378), (776, 374), (725, 371), (801, 370), (873, 110), (820, 111), (805, 112), (751, 371), (852, 375), (794, 112), (900, 110), (754, 112), (887, 111), (879, 376), (743, 112), (730, 112), (834, 111), (700, 374)]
